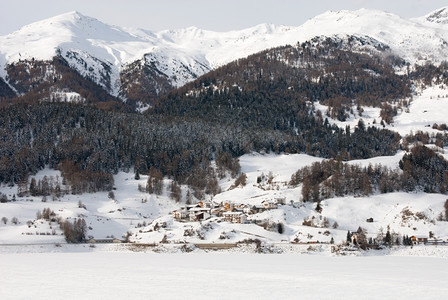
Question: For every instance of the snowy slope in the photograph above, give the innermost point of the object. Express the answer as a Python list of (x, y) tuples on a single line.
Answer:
[(427, 107), (148, 217), (95, 48)]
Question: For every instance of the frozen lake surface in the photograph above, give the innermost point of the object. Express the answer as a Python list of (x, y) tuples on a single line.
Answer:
[(114, 275)]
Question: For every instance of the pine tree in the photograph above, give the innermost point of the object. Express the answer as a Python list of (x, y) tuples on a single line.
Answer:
[(306, 190), (33, 187), (388, 238), (319, 208), (446, 210), (280, 228), (362, 238), (335, 225)]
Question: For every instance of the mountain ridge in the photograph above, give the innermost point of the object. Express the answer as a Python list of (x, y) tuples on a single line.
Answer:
[(439, 16), (168, 59)]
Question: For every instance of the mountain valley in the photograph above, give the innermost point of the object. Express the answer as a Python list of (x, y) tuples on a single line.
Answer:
[(316, 133)]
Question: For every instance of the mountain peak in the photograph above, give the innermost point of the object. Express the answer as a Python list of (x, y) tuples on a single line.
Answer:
[(84, 40), (74, 14), (439, 16), (71, 17)]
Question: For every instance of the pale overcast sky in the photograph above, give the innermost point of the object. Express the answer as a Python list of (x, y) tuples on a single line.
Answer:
[(222, 15)]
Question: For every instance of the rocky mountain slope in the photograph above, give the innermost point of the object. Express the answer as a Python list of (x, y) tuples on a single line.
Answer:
[(140, 66)]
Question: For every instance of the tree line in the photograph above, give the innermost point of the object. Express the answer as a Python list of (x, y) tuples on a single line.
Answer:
[(419, 170)]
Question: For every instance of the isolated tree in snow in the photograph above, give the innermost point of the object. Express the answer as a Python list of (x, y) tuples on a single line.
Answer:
[(81, 205), (280, 228), (111, 195), (446, 210), (362, 238), (240, 181), (3, 198), (388, 238), (74, 232), (5, 220), (335, 225), (318, 207)]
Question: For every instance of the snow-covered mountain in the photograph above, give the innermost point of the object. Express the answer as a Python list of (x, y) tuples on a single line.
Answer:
[(108, 54), (439, 16), (131, 63)]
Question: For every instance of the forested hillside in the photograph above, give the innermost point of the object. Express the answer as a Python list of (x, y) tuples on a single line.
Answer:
[(264, 103), (50, 81), (275, 85)]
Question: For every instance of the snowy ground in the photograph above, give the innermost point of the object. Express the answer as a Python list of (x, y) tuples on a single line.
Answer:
[(210, 276), (404, 213), (427, 107)]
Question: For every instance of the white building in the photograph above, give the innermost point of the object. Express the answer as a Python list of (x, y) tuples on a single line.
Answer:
[(234, 217)]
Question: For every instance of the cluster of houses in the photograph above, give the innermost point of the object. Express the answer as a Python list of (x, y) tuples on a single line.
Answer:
[(417, 240), (230, 212)]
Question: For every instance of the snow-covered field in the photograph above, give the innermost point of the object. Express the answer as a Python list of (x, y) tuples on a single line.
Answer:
[(110, 275)]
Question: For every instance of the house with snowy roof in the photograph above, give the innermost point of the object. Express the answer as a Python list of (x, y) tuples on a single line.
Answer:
[(234, 217), (419, 239)]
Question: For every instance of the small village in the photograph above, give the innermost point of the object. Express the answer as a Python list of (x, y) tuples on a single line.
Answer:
[(238, 214), (230, 212)]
